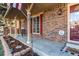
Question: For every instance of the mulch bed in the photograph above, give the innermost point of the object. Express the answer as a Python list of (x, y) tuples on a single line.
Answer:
[(18, 48)]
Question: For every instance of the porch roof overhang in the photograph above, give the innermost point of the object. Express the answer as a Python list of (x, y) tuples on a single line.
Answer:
[(36, 8), (14, 12), (42, 7)]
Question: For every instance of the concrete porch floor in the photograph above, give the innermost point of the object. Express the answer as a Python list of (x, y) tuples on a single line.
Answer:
[(44, 47)]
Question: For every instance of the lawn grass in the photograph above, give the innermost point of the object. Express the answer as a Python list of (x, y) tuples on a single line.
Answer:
[(1, 49)]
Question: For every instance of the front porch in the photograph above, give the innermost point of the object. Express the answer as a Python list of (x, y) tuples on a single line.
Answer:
[(44, 47), (45, 29)]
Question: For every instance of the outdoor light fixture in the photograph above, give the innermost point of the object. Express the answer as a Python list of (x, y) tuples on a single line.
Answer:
[(59, 12), (61, 32)]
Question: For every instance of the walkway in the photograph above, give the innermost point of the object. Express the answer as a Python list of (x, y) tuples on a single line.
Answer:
[(45, 47)]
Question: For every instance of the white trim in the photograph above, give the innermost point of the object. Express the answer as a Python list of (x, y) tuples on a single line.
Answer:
[(36, 33), (72, 45), (38, 14), (31, 6), (68, 22), (23, 13), (73, 41), (3, 6), (8, 8)]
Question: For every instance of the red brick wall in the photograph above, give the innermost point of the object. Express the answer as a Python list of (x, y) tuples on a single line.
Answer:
[(52, 23)]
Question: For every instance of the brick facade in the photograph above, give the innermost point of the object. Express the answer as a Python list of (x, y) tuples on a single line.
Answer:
[(52, 23)]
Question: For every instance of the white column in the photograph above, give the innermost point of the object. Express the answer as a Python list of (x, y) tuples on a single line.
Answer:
[(10, 30), (15, 27), (8, 25), (28, 27)]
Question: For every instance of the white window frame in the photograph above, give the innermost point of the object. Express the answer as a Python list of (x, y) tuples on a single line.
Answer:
[(33, 24)]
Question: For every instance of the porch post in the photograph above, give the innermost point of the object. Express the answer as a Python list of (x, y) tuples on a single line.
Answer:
[(15, 27), (10, 30), (29, 35)]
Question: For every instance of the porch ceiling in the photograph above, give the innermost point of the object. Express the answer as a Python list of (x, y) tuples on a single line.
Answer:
[(37, 8), (41, 7)]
